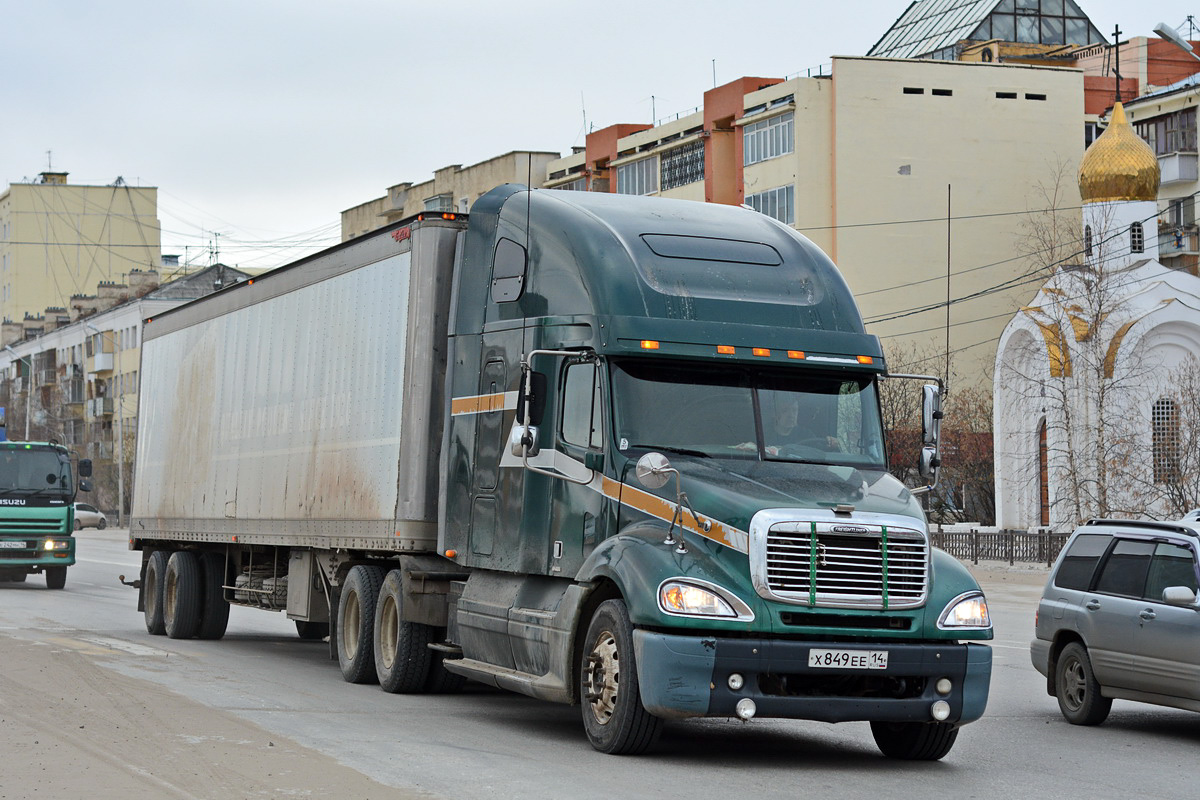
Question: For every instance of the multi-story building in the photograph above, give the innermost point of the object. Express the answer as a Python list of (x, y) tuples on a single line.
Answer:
[(72, 375), (453, 188), (910, 174), (57, 239)]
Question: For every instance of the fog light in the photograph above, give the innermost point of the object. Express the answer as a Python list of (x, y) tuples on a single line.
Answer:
[(746, 708), (943, 686), (940, 710), (736, 682)]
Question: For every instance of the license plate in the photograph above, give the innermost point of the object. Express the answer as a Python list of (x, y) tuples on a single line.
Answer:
[(12, 545), (848, 659)]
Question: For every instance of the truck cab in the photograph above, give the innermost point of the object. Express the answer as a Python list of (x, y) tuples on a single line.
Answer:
[(665, 478), (37, 489)]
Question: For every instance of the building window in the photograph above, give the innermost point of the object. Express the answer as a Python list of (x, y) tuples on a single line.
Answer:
[(1164, 440), (441, 202), (775, 203), (770, 138), (683, 165), (1137, 238), (1087, 240), (1170, 133), (1031, 21), (577, 185), (638, 177)]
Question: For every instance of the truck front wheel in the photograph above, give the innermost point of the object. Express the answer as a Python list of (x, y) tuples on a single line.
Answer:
[(152, 592), (402, 653), (56, 577), (182, 595), (356, 623), (613, 715), (914, 741)]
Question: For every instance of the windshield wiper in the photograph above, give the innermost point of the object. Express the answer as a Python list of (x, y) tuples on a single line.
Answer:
[(683, 451)]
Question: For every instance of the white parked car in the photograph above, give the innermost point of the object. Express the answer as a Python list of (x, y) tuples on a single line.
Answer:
[(88, 516)]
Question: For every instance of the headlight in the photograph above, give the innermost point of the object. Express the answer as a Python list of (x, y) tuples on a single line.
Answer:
[(52, 544), (966, 611), (684, 598)]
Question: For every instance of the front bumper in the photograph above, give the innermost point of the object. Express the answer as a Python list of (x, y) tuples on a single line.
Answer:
[(30, 554), (687, 676)]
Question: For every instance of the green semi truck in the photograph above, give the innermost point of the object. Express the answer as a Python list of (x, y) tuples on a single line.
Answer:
[(37, 523), (613, 451)]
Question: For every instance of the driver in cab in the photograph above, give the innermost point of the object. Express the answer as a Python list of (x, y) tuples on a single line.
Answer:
[(783, 431)]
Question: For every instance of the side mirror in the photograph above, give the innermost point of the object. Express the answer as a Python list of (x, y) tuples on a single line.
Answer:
[(523, 441), (1179, 596), (654, 470), (928, 463), (85, 468), (931, 414), (531, 404), (85, 485)]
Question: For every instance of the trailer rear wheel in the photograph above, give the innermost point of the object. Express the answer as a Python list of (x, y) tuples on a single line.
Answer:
[(356, 623), (182, 595), (402, 653), (152, 592), (214, 610), (914, 741), (613, 715), (56, 577)]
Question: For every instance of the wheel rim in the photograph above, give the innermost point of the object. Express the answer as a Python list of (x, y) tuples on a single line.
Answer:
[(603, 677), (151, 593), (350, 625), (389, 626), (169, 596), (1074, 689)]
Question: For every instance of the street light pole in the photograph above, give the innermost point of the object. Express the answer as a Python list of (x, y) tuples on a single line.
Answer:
[(120, 427), (29, 388)]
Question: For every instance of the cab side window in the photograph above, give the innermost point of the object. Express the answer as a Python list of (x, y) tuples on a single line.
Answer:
[(1172, 565), (581, 412), (1124, 571)]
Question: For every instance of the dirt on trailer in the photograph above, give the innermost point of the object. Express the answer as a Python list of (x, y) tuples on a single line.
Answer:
[(71, 728)]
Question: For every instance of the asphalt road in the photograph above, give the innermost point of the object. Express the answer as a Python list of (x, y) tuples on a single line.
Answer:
[(484, 743)]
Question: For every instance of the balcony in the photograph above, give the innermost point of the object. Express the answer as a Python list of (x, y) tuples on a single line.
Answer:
[(1179, 241), (1178, 168), (47, 377), (73, 391), (100, 406), (100, 362)]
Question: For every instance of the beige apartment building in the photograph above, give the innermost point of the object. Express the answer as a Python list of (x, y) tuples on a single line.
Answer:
[(59, 239), (453, 188), (908, 173)]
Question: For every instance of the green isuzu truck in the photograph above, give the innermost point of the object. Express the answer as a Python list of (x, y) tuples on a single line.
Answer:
[(614, 451), (37, 520)]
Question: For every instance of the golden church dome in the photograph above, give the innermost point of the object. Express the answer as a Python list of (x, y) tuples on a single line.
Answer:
[(1118, 165)]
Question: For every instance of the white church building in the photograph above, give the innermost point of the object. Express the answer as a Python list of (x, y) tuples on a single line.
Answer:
[(1092, 377)]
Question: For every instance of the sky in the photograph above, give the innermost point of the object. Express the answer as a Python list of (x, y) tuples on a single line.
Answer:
[(261, 120)]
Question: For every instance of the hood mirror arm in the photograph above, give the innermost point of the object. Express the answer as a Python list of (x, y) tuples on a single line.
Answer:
[(653, 471)]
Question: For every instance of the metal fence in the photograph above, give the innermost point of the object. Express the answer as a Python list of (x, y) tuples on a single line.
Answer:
[(1040, 546)]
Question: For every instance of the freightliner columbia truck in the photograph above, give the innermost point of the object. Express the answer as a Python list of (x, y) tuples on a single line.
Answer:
[(613, 451), (37, 512)]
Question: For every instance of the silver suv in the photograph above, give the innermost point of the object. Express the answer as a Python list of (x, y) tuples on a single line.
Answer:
[(1119, 618)]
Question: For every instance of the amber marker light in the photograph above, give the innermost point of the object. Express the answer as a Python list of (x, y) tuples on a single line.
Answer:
[(866, 360), (795, 354), (761, 351), (725, 349), (451, 553), (649, 344)]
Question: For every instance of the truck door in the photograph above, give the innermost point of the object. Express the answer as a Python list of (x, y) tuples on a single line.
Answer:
[(578, 512)]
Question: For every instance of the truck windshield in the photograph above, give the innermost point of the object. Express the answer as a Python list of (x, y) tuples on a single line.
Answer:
[(34, 471), (772, 415)]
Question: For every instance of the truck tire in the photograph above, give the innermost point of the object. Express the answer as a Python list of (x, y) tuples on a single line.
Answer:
[(56, 577), (1077, 689), (214, 609), (402, 653), (182, 595), (356, 624), (311, 631), (152, 592), (914, 741), (613, 715)]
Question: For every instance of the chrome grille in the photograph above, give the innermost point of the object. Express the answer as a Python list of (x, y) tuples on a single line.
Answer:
[(847, 565)]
